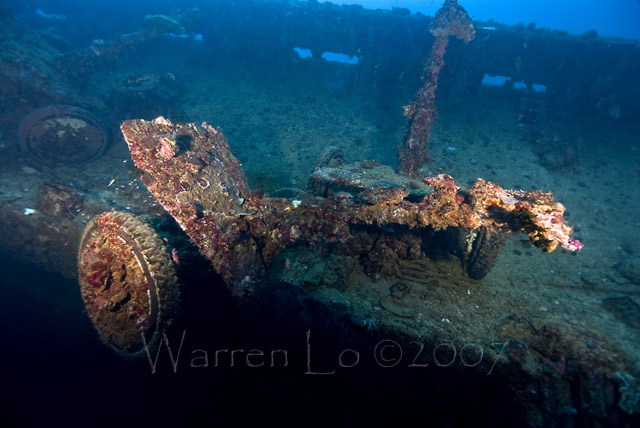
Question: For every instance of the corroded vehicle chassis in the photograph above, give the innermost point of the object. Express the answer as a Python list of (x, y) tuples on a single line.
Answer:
[(192, 173)]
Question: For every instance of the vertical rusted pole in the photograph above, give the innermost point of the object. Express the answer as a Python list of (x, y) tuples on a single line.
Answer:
[(451, 20)]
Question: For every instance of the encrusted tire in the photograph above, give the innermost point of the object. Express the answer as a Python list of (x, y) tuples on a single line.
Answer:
[(487, 245), (128, 283), (59, 135)]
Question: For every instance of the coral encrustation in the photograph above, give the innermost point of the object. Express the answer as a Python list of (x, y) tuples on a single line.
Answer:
[(192, 173)]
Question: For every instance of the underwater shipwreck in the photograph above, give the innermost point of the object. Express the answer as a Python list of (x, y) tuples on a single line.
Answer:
[(390, 249)]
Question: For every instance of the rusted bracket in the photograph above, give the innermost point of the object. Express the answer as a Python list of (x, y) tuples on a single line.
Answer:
[(451, 20)]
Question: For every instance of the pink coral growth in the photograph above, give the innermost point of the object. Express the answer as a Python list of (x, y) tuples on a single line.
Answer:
[(165, 149), (573, 245), (555, 226)]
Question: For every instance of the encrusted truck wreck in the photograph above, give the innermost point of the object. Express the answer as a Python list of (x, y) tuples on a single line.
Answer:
[(192, 173), (362, 255)]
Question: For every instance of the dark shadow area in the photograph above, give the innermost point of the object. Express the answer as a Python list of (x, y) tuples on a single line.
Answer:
[(55, 370)]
